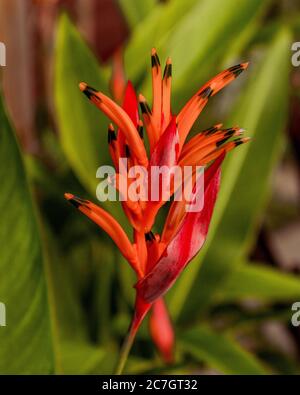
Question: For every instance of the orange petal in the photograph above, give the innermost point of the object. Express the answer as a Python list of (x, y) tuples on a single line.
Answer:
[(120, 118), (187, 115), (109, 225), (199, 137), (207, 145), (225, 148), (166, 94), (119, 182), (141, 248), (113, 146), (152, 131), (156, 90)]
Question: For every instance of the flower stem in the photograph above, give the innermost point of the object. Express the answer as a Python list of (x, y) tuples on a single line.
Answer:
[(126, 347), (141, 309)]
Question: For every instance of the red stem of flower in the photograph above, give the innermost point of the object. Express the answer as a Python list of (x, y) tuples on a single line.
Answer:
[(141, 309)]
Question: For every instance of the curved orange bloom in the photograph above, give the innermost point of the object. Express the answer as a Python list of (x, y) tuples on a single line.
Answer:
[(159, 259)]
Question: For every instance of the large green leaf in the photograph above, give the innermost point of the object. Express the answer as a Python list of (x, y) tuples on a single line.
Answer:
[(195, 46), (150, 32), (82, 127), (136, 10), (219, 352), (260, 282), (262, 111), (84, 358), (25, 343), (75, 352)]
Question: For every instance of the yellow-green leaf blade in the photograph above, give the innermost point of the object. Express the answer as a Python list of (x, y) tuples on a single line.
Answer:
[(25, 341), (260, 282), (82, 127), (262, 112), (219, 352)]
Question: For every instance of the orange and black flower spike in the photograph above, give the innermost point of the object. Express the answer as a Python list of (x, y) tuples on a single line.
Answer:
[(166, 92), (148, 122), (144, 106), (212, 129), (120, 118), (190, 112), (225, 148), (109, 225), (202, 147), (156, 90), (112, 145), (159, 259), (111, 135), (141, 129), (198, 138)]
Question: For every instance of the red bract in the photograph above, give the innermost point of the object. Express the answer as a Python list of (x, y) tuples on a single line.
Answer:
[(159, 259), (161, 330), (188, 240)]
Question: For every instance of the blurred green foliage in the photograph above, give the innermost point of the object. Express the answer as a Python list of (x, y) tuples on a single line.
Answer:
[(69, 297), (240, 202), (22, 279)]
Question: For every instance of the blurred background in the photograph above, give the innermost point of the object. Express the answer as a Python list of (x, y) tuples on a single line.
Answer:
[(68, 293)]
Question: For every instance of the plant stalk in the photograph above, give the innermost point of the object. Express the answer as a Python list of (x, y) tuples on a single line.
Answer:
[(126, 347), (141, 309)]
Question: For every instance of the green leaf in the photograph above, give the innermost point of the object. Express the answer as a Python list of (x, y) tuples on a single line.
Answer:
[(26, 344), (196, 48), (75, 353), (219, 352), (84, 358), (67, 317), (104, 259), (136, 10), (259, 282), (262, 111), (82, 127), (189, 53), (150, 32), (281, 364)]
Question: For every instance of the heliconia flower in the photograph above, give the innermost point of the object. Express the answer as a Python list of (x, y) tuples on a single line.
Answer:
[(157, 259)]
